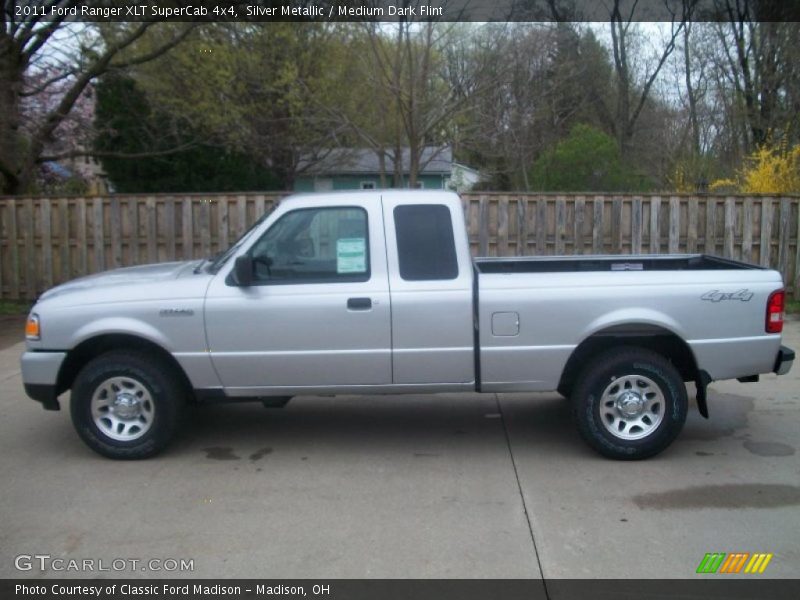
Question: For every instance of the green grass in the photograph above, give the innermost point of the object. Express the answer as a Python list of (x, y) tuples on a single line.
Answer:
[(793, 307), (10, 307)]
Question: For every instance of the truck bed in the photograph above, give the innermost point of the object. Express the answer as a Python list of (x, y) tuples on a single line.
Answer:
[(639, 262), (534, 312)]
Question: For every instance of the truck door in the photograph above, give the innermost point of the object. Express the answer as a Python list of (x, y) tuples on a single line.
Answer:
[(318, 312), (431, 286)]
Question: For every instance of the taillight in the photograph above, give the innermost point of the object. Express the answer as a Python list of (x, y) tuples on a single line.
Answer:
[(775, 312)]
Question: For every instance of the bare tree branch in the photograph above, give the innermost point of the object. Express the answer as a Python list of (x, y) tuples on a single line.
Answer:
[(160, 51), (65, 74), (107, 154)]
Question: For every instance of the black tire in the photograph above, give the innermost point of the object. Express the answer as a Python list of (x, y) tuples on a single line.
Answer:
[(158, 384), (642, 379)]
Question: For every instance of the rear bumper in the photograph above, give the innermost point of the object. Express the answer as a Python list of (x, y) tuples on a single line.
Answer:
[(784, 360), (40, 376)]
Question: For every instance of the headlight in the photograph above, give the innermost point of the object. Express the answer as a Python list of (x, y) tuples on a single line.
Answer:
[(32, 331)]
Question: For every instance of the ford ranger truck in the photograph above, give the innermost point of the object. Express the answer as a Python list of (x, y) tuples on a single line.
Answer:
[(376, 293)]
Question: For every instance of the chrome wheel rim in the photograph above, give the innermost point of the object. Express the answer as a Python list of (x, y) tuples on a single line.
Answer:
[(122, 409), (632, 407)]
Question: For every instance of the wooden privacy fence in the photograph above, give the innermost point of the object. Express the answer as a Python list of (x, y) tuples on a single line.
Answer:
[(45, 241)]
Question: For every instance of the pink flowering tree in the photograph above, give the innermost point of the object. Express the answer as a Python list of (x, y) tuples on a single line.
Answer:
[(47, 67)]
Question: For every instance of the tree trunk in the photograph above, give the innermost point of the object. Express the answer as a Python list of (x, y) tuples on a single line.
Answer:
[(382, 165), (398, 164), (16, 175), (768, 76), (690, 93), (622, 129), (414, 151)]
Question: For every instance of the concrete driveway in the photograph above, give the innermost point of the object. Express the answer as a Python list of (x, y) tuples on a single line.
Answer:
[(423, 486)]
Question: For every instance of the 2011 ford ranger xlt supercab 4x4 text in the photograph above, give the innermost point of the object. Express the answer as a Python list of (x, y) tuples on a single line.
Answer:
[(376, 293)]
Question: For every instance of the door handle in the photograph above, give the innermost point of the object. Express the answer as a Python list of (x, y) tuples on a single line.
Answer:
[(359, 303)]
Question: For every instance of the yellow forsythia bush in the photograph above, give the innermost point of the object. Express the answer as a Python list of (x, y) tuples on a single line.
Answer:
[(768, 171), (773, 172)]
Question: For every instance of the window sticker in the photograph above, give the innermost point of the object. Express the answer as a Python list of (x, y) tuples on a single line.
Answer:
[(351, 255)]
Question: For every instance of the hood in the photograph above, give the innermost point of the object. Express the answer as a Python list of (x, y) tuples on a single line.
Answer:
[(144, 274)]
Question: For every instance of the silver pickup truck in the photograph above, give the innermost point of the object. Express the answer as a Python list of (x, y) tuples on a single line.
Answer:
[(376, 293)]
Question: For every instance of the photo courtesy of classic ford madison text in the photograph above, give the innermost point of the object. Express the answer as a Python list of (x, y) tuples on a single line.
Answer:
[(375, 292)]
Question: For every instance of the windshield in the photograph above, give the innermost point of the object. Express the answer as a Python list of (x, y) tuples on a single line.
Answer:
[(221, 258)]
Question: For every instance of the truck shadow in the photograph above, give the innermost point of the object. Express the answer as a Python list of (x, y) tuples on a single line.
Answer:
[(418, 423), (422, 426)]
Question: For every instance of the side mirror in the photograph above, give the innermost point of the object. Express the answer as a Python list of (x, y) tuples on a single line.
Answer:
[(243, 270)]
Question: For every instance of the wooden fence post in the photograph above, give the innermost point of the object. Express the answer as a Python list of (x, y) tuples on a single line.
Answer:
[(616, 225), (502, 226), (766, 232), (522, 226), (222, 216), (63, 218), (205, 228), (133, 242), (597, 225), (169, 227), (747, 230), (46, 243), (241, 213), (692, 214), (30, 250), (580, 219), (710, 245), (784, 231), (483, 228), (655, 225), (13, 245), (152, 230), (116, 233), (636, 225), (541, 226), (561, 225), (187, 243), (673, 241), (98, 235), (80, 238), (730, 227)]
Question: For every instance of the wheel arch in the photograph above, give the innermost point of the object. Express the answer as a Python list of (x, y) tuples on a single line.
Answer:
[(94, 346), (656, 338)]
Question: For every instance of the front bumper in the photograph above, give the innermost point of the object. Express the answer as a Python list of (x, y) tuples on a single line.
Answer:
[(46, 394), (40, 376), (784, 360)]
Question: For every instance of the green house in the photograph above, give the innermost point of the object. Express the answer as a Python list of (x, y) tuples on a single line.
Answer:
[(360, 169)]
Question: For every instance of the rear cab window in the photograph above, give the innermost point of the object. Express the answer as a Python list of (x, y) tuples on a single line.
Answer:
[(425, 245)]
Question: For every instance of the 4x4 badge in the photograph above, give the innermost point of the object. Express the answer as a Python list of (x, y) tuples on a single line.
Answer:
[(716, 296)]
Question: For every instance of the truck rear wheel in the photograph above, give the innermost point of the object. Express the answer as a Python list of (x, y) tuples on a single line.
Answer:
[(125, 406), (629, 403)]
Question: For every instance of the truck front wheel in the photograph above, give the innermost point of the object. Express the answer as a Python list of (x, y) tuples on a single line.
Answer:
[(125, 406), (629, 403)]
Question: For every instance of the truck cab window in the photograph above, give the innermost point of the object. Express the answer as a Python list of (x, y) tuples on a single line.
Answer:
[(425, 245), (314, 245)]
